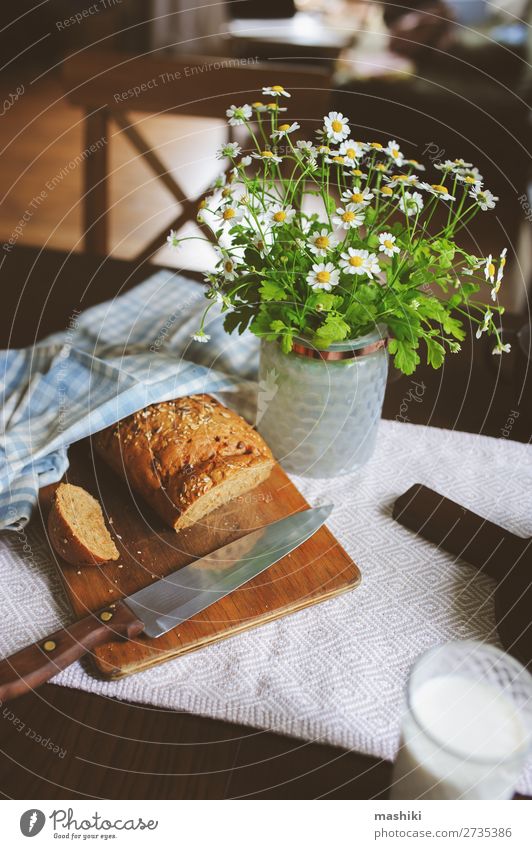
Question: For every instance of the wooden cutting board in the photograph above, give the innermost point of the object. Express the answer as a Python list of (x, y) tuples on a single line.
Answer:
[(317, 570)]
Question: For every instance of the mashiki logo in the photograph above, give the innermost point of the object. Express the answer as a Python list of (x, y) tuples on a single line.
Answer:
[(32, 822)]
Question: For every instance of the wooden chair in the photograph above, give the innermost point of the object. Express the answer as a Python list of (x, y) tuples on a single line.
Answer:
[(107, 86)]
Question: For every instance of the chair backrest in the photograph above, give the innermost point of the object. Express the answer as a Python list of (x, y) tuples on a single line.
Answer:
[(108, 85)]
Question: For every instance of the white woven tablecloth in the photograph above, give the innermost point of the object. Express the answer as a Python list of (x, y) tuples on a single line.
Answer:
[(335, 672)]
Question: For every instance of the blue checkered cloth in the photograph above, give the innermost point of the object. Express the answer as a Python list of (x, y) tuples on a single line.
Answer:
[(111, 361)]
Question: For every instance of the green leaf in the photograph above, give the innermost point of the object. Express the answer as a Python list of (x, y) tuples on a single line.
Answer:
[(333, 329), (435, 352), (271, 291), (406, 357)]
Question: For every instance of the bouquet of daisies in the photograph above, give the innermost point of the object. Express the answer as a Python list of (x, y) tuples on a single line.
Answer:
[(326, 239)]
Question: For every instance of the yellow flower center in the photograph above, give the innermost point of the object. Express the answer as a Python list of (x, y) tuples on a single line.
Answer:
[(502, 262), (491, 269), (356, 172), (380, 167), (350, 153), (257, 104), (202, 204), (266, 154), (470, 180), (228, 214), (279, 216), (228, 265), (400, 177), (324, 149), (337, 126), (376, 145), (413, 162), (339, 159), (226, 193), (277, 88), (321, 242), (284, 127), (387, 191), (323, 276), (357, 197), (348, 216), (388, 244), (272, 106), (355, 261), (441, 189), (395, 153)]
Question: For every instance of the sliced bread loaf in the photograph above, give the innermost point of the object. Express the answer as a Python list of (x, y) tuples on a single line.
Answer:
[(77, 528)]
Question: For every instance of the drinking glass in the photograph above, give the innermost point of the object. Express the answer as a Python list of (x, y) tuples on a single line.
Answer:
[(466, 732)]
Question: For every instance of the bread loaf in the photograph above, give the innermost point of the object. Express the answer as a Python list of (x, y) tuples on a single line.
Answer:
[(186, 457), (76, 528)]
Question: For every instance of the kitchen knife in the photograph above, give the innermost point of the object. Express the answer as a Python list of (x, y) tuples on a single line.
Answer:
[(163, 605)]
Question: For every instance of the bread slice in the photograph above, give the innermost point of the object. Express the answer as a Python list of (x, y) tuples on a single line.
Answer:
[(77, 528), (186, 457)]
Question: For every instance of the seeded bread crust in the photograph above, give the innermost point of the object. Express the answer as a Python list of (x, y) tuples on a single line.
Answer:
[(186, 457), (67, 539)]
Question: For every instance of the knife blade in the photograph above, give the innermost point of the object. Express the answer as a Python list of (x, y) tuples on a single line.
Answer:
[(184, 593), (164, 604)]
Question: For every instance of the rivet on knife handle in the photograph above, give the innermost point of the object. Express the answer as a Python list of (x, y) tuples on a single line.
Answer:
[(35, 664)]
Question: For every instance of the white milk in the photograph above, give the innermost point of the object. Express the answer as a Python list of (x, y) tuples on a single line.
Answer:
[(467, 741)]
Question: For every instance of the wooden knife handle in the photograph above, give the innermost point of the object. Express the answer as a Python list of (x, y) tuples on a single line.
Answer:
[(461, 532), (32, 666)]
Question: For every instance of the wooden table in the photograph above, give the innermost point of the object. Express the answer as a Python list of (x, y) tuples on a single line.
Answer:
[(118, 750)]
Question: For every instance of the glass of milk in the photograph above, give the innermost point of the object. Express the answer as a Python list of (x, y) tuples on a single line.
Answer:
[(467, 729)]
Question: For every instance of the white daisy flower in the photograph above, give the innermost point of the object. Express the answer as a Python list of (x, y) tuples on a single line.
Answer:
[(230, 150), (230, 214), (239, 114), (285, 130), (411, 203), (485, 324), (485, 199), (387, 244), (274, 107), (489, 269), (354, 261), (502, 349), (372, 265), (219, 181), (470, 179), (321, 243), (173, 239), (267, 156), (502, 263), (323, 276), (275, 91), (394, 152), (500, 274), (415, 164), (336, 126), (348, 217), (259, 106), (352, 150), (200, 336), (356, 172), (279, 214), (357, 196), (437, 190), (405, 179)]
